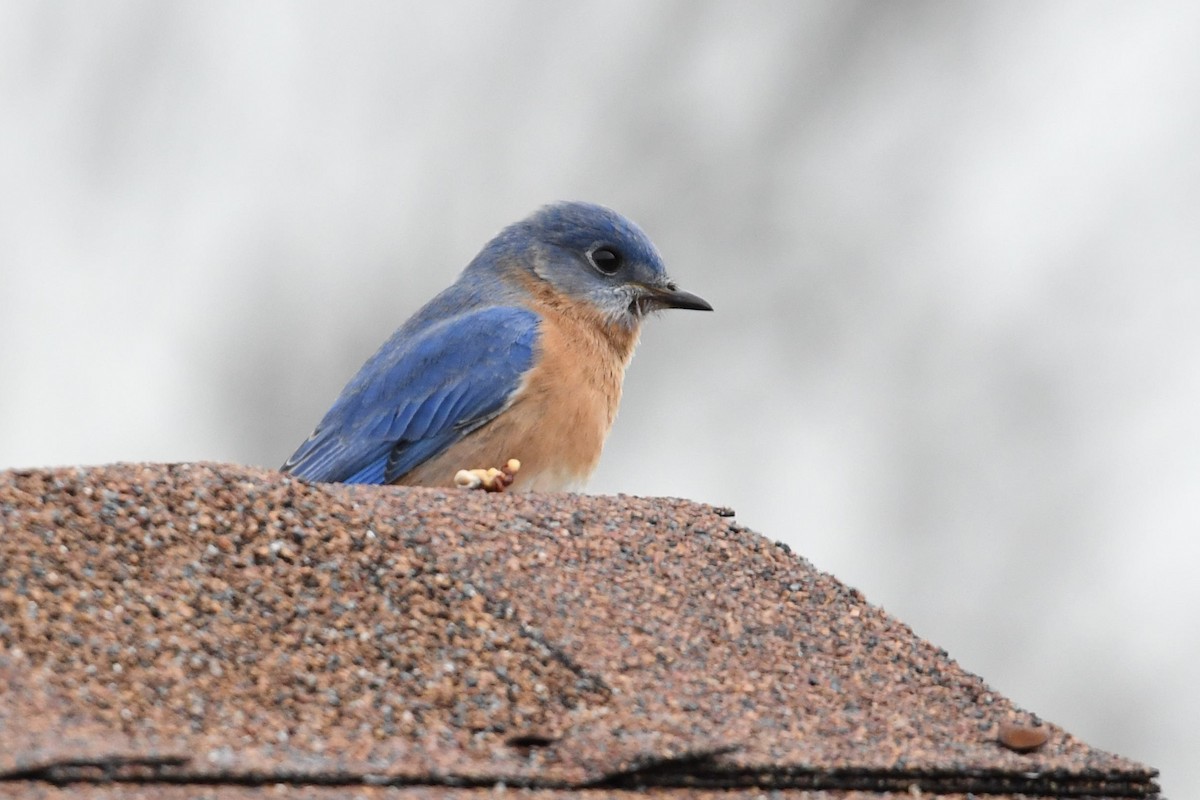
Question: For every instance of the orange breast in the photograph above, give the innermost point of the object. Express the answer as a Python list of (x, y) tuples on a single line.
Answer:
[(557, 426)]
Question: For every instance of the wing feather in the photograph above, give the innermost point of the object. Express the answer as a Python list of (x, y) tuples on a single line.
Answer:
[(420, 394)]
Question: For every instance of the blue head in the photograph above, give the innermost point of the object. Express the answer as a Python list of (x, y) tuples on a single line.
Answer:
[(591, 254)]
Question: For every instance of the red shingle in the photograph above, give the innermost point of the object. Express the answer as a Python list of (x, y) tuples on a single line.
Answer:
[(223, 624)]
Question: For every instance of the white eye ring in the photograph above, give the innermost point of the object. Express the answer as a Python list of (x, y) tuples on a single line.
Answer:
[(607, 260)]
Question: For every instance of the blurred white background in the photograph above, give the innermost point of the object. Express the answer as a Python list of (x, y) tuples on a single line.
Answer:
[(954, 250)]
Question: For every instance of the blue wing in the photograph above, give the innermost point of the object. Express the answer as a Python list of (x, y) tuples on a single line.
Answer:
[(418, 395)]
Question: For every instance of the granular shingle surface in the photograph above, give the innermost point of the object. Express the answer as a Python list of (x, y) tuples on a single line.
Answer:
[(176, 623), (129, 791)]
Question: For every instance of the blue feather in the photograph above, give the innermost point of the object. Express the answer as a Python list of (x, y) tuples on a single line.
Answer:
[(429, 386)]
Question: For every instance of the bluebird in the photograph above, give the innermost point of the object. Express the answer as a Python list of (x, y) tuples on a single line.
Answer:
[(522, 357)]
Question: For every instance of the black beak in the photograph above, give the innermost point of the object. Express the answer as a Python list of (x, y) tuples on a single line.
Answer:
[(670, 297)]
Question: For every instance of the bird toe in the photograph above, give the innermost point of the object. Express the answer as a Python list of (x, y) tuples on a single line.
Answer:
[(490, 479)]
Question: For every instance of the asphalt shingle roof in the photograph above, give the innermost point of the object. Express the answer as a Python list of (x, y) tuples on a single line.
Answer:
[(219, 625)]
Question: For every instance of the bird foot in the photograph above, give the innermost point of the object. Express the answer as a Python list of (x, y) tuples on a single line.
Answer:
[(489, 480)]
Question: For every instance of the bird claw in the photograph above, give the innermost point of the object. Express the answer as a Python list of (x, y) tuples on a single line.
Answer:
[(489, 480)]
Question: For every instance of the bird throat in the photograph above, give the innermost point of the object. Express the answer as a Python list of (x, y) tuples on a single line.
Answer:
[(600, 338)]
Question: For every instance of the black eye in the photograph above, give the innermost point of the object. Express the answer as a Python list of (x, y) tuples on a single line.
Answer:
[(606, 260)]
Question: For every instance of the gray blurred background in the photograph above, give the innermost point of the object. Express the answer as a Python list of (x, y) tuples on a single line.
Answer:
[(953, 250)]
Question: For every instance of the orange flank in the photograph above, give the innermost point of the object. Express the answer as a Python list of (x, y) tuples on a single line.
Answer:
[(561, 413)]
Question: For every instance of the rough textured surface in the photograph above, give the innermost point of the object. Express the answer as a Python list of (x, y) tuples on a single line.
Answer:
[(127, 791), (216, 623)]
